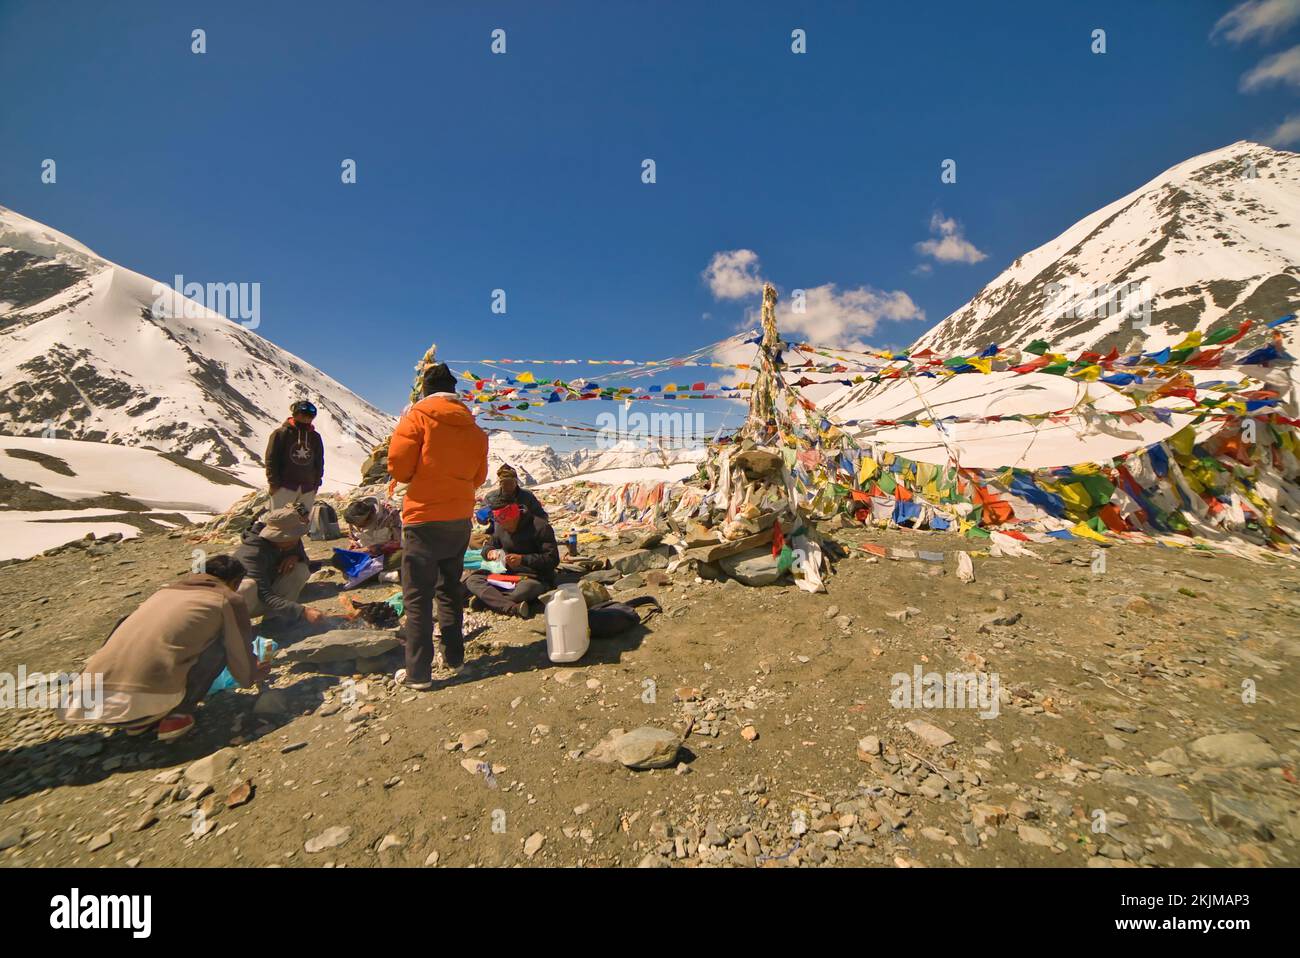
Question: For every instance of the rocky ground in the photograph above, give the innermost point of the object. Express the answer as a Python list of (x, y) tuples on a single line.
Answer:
[(1147, 716)]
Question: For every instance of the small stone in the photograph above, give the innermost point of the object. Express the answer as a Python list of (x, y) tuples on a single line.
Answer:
[(932, 735), (868, 747), (208, 769), (240, 794), (749, 733), (469, 741), (330, 838), (102, 840), (387, 842), (432, 860), (647, 747), (1034, 836), (534, 844), (983, 816)]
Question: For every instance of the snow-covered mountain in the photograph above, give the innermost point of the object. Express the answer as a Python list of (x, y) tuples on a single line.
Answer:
[(541, 463), (90, 350), (1215, 239)]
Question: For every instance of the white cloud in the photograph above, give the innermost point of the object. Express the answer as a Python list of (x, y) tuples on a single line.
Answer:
[(1281, 67), (1256, 19), (733, 274), (1287, 132), (844, 317), (947, 244), (828, 315)]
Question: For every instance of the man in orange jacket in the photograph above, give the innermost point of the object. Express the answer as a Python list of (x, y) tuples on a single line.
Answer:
[(441, 453)]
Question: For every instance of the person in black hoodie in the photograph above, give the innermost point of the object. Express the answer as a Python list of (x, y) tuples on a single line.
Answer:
[(295, 459), (526, 544)]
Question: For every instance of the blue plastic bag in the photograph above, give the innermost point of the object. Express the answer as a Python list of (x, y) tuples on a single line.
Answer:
[(263, 648), (357, 566)]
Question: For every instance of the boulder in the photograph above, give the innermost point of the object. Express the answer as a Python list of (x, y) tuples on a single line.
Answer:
[(759, 463), (339, 645), (638, 560), (593, 592), (647, 747), (756, 567), (709, 571), (1235, 750)]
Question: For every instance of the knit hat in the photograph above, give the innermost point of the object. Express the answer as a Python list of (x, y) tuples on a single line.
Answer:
[(283, 525), (439, 379), (496, 499)]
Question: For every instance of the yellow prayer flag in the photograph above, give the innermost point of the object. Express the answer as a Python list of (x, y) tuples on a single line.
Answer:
[(1087, 532)]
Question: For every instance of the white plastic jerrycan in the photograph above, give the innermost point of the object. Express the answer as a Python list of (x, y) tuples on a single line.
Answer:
[(567, 635)]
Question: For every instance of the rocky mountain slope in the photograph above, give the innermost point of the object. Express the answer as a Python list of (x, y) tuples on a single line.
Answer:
[(91, 350)]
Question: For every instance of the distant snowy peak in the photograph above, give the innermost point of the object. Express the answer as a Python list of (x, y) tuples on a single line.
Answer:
[(541, 463), (90, 350), (1213, 240)]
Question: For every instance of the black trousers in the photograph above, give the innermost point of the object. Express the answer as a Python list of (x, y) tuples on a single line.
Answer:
[(433, 558), (210, 663), (524, 591)]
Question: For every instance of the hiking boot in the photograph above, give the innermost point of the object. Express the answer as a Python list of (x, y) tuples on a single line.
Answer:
[(525, 610), (174, 726), (400, 678)]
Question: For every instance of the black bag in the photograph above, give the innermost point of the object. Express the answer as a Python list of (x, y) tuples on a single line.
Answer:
[(608, 619)]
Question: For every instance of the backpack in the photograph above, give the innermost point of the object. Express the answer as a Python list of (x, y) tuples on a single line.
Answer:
[(608, 619), (324, 522)]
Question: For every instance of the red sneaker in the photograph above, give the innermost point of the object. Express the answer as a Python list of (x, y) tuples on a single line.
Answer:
[(174, 726)]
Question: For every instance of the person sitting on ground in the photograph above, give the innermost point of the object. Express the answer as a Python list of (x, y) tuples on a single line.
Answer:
[(159, 662), (526, 544), (295, 459), (508, 487), (373, 527), (275, 562)]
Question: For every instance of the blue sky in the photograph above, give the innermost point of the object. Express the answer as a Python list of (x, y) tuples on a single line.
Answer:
[(523, 171)]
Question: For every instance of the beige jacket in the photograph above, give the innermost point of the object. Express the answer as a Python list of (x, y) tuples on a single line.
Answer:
[(155, 646)]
